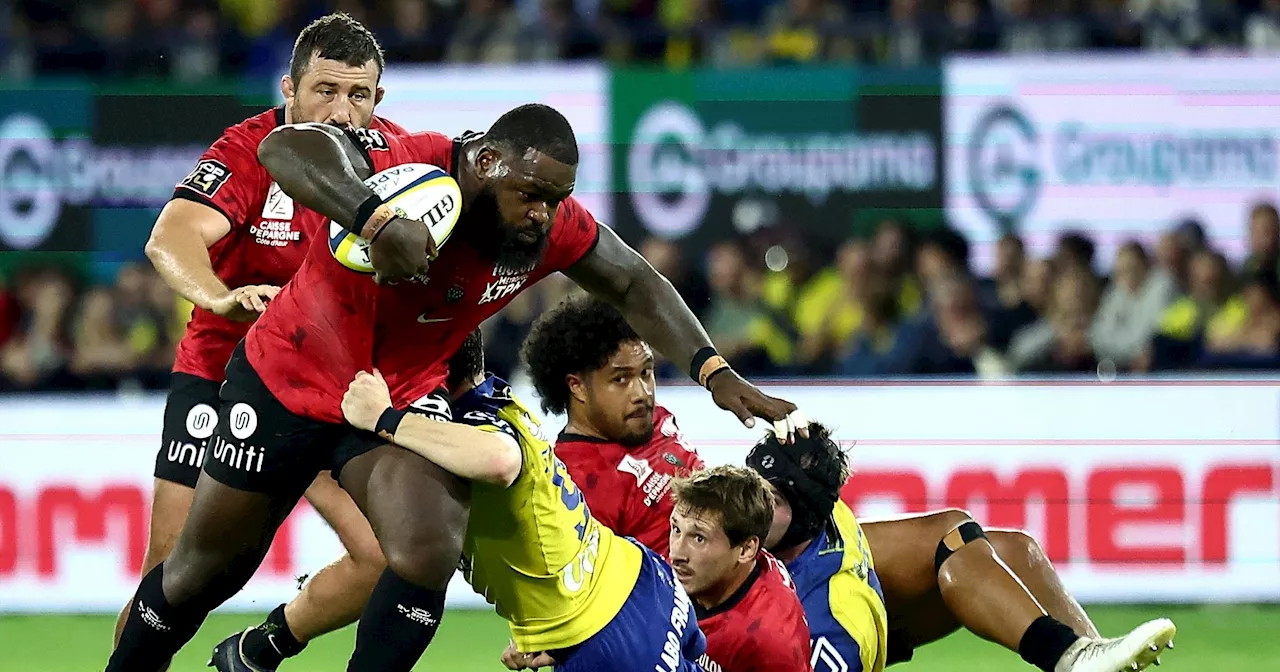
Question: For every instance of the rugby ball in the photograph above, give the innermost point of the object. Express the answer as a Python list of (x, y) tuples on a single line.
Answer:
[(416, 191)]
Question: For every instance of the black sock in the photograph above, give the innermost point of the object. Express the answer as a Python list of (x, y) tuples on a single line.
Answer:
[(1044, 642), (270, 643), (397, 625), (155, 629)]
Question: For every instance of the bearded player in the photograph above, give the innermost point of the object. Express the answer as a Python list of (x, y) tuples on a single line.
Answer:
[(227, 241), (746, 604), (962, 581), (282, 398), (565, 584), (585, 361)]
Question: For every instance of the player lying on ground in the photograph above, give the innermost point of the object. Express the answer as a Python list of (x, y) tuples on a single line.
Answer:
[(565, 584), (939, 572), (746, 603), (280, 418), (586, 361), (226, 242)]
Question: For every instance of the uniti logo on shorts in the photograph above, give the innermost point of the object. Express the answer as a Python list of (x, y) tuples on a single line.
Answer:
[(243, 422)]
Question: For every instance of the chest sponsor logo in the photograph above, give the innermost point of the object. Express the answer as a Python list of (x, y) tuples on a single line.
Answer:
[(278, 204), (653, 484), (208, 177), (506, 281), (276, 228)]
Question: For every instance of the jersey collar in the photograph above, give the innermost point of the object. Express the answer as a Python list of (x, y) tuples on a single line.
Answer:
[(477, 396)]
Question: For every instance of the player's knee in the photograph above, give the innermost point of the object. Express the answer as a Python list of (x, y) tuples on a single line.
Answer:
[(964, 532), (426, 560), (1018, 548), (206, 577)]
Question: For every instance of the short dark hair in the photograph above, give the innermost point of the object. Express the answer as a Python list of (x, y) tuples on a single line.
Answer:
[(539, 127), (951, 243), (738, 495), (336, 37), (468, 362), (578, 336)]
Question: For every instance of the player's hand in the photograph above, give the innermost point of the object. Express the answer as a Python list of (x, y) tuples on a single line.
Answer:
[(401, 251), (514, 660), (366, 398), (244, 304), (746, 401)]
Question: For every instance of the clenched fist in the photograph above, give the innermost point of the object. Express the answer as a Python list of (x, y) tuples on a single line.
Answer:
[(366, 398)]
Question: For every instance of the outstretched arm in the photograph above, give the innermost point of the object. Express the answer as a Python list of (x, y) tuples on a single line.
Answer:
[(618, 274), (319, 166), (467, 452)]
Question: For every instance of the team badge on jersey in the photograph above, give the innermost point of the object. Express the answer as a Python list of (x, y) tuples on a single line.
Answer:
[(208, 177)]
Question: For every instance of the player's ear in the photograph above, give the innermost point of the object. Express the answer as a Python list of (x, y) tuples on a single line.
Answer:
[(287, 88), (749, 550), (377, 96), (577, 387)]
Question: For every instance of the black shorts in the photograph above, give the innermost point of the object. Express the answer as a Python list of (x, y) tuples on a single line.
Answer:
[(190, 415), (261, 446)]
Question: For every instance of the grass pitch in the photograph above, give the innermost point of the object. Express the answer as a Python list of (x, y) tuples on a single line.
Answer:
[(1209, 639)]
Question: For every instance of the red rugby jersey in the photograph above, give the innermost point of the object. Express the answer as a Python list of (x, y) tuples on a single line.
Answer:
[(332, 322), (760, 628), (268, 239), (628, 488)]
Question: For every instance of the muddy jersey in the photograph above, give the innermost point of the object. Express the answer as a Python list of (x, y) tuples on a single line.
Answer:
[(333, 321), (268, 240)]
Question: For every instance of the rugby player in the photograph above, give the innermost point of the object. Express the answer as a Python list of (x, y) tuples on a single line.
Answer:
[(585, 361), (746, 603), (227, 241), (938, 572), (566, 585), (280, 421)]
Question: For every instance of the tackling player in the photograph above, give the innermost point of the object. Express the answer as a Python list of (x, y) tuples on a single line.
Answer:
[(281, 420), (746, 604), (585, 361), (227, 241), (931, 588)]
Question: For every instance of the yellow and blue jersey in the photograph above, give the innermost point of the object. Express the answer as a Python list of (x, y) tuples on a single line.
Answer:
[(836, 580), (532, 549)]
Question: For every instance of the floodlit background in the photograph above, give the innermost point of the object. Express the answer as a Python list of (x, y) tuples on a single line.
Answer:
[(812, 175)]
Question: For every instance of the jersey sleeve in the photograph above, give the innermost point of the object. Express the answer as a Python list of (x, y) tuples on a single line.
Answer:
[(433, 148), (489, 422), (575, 234), (228, 178)]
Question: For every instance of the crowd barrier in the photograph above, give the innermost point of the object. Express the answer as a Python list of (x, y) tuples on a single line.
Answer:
[(1150, 492)]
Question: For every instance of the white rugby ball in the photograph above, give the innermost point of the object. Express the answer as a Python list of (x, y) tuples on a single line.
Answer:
[(416, 191)]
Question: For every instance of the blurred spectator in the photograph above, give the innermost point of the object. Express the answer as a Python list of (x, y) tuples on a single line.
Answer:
[(1131, 307), (505, 331), (738, 323), (417, 32), (834, 307), (1262, 30), (951, 340), (38, 352), (1001, 294), (799, 31), (969, 28), (893, 251), (101, 354), (1264, 240), (489, 32), (144, 325), (666, 257), (1208, 305), (1075, 252), (561, 35), (1254, 342), (1069, 350), (871, 349), (943, 254)]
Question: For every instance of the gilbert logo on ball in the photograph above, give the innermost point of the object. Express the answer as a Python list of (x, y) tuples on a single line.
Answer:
[(416, 191)]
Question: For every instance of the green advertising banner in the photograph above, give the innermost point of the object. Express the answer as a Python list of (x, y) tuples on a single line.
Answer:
[(701, 154), (85, 167)]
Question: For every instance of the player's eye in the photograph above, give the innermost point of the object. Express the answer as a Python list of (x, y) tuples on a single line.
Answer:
[(620, 379), (359, 97), (699, 538)]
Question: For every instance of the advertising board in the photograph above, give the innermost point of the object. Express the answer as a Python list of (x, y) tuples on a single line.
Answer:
[(1138, 493), (1122, 146)]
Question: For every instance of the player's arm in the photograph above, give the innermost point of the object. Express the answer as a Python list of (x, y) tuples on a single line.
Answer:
[(618, 274), (179, 249), (468, 452), (321, 167)]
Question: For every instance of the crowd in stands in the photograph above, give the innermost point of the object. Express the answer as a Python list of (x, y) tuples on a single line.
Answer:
[(193, 40), (897, 303)]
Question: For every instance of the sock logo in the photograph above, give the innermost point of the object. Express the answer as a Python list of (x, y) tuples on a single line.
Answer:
[(151, 618), (417, 615)]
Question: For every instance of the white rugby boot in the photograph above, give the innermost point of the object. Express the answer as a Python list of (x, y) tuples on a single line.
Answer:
[(1135, 651)]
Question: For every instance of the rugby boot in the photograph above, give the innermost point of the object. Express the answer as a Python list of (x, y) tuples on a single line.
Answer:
[(1137, 650), (228, 656)]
